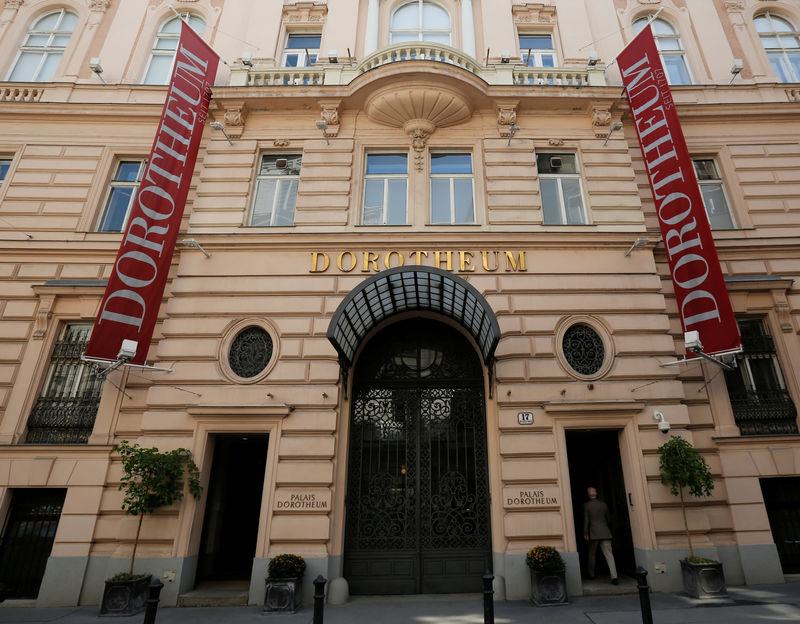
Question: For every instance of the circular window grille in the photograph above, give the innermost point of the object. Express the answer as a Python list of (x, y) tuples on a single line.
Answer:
[(250, 353), (583, 349)]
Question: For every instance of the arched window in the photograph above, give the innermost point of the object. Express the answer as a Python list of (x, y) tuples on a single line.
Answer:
[(163, 54), (669, 48), (420, 21), (781, 41), (40, 53)]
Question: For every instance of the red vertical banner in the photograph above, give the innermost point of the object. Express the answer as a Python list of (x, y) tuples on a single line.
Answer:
[(133, 296), (700, 291)]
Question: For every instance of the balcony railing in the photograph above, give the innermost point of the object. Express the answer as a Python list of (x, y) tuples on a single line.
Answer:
[(416, 51), (764, 413), (62, 420)]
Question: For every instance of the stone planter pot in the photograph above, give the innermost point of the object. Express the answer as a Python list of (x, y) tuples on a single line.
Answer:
[(548, 589), (282, 595), (703, 580), (125, 597)]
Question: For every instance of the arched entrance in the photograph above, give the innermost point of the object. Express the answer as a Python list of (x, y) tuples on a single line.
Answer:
[(417, 493)]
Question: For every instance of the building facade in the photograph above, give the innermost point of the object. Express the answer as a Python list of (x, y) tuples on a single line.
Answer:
[(419, 302)]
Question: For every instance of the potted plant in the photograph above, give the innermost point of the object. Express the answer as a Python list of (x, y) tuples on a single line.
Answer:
[(548, 577), (150, 479), (681, 466), (284, 583)]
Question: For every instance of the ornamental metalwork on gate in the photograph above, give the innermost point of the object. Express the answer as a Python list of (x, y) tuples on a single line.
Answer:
[(418, 496)]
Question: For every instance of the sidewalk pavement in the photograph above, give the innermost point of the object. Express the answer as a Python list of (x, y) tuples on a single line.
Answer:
[(744, 605)]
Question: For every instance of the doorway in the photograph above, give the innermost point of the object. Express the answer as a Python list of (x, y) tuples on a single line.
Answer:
[(418, 493), (233, 507), (594, 461), (782, 502)]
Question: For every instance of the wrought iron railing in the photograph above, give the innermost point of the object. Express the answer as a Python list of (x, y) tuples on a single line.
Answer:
[(770, 412), (62, 420)]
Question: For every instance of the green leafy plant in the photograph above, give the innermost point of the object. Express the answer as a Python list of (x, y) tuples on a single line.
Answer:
[(681, 466), (544, 559), (286, 566), (153, 479)]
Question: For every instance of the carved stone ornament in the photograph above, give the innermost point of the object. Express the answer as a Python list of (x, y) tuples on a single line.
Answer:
[(43, 316), (393, 106), (649, 1), (305, 13), (555, 142), (235, 118), (281, 143), (330, 114), (534, 13), (601, 121), (506, 116), (784, 311), (99, 5), (13, 4), (734, 6), (418, 130)]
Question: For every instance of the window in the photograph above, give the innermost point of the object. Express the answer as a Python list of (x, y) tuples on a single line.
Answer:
[(276, 190), (560, 186), (781, 42), (43, 47), (66, 409), (121, 193), (537, 50), (301, 50), (5, 165), (670, 50), (420, 21), (719, 215), (163, 53), (451, 189), (761, 405), (385, 189)]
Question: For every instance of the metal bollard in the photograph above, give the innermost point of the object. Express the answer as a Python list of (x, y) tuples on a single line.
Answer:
[(153, 593), (488, 598), (644, 595), (319, 598)]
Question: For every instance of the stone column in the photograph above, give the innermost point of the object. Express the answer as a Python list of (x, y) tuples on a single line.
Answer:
[(467, 28), (371, 37)]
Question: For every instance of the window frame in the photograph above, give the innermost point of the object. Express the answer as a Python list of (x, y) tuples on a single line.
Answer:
[(560, 176), (259, 178), (718, 181), (452, 177), (421, 30), (523, 52), (9, 160), (783, 52), (303, 53), (45, 50), (681, 51), (154, 51), (114, 184), (385, 177)]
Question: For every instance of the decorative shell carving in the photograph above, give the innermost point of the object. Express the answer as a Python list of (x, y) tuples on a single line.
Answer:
[(394, 107)]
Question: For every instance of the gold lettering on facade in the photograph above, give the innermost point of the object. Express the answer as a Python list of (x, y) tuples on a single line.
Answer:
[(387, 259), (485, 258), (465, 261), (419, 255), (511, 263), (316, 256), (340, 264), (437, 260), (370, 261)]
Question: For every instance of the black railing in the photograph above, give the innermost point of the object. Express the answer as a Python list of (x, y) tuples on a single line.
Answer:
[(62, 420), (764, 413)]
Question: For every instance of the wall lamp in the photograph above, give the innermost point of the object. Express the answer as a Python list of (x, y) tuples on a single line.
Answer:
[(617, 125), (639, 242), (333, 56), (323, 126), (512, 130), (97, 67), (192, 242), (593, 59), (217, 125), (247, 59), (505, 56), (736, 69)]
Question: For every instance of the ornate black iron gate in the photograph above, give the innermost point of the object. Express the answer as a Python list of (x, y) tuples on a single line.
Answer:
[(418, 496), (28, 540)]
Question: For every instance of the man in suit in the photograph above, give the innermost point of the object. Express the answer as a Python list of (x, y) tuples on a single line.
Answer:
[(597, 532)]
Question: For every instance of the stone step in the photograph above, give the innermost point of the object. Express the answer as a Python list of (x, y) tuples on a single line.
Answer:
[(222, 594), (603, 587)]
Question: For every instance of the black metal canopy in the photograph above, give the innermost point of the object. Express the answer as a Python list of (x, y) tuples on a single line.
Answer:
[(407, 289)]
